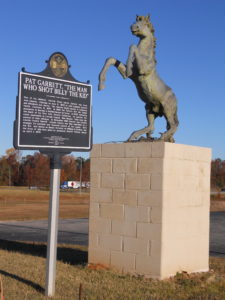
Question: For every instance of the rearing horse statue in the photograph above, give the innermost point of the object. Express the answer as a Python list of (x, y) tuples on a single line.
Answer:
[(141, 69)]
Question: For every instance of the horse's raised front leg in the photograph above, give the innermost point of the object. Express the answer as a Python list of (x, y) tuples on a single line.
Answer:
[(111, 61)]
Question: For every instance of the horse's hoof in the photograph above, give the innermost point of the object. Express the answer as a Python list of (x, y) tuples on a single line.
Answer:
[(101, 86), (171, 140), (131, 138), (167, 139), (128, 73)]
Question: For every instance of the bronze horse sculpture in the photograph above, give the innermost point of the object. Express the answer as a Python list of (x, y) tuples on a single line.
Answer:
[(159, 99)]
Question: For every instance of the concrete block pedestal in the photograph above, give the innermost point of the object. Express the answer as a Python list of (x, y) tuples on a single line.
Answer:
[(149, 208)]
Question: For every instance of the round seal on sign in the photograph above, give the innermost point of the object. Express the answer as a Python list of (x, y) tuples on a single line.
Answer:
[(58, 65)]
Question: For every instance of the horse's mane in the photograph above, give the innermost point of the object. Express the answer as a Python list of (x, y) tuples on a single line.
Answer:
[(151, 28)]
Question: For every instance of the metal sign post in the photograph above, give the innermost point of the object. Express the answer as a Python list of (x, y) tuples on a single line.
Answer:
[(55, 165)]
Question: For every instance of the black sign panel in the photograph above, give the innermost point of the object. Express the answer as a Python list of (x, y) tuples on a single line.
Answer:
[(52, 113)]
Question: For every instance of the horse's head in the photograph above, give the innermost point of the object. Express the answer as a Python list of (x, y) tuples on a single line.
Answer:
[(142, 27)]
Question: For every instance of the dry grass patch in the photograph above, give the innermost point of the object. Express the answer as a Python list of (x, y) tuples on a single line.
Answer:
[(217, 202), (24, 204), (22, 267)]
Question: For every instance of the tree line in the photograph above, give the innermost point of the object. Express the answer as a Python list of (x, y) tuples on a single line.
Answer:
[(34, 169), (218, 174)]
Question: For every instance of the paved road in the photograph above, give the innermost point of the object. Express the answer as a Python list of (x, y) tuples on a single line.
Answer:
[(71, 231), (75, 231), (217, 233)]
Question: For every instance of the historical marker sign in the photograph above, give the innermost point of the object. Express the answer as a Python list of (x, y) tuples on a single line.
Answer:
[(52, 113)]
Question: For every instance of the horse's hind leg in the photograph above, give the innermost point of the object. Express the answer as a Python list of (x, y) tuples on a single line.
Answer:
[(172, 124), (151, 120), (147, 130), (111, 61)]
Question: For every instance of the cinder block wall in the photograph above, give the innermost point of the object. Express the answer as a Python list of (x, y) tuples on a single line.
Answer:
[(149, 208)]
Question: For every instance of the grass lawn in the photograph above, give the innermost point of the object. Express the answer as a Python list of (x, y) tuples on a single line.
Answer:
[(25, 204), (22, 270)]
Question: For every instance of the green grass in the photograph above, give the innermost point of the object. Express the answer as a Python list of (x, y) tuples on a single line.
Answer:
[(22, 268)]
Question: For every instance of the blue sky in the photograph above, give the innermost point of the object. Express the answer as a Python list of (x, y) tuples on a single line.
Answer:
[(190, 53)]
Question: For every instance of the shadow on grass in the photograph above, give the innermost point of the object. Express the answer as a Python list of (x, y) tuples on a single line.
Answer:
[(28, 282), (72, 256)]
